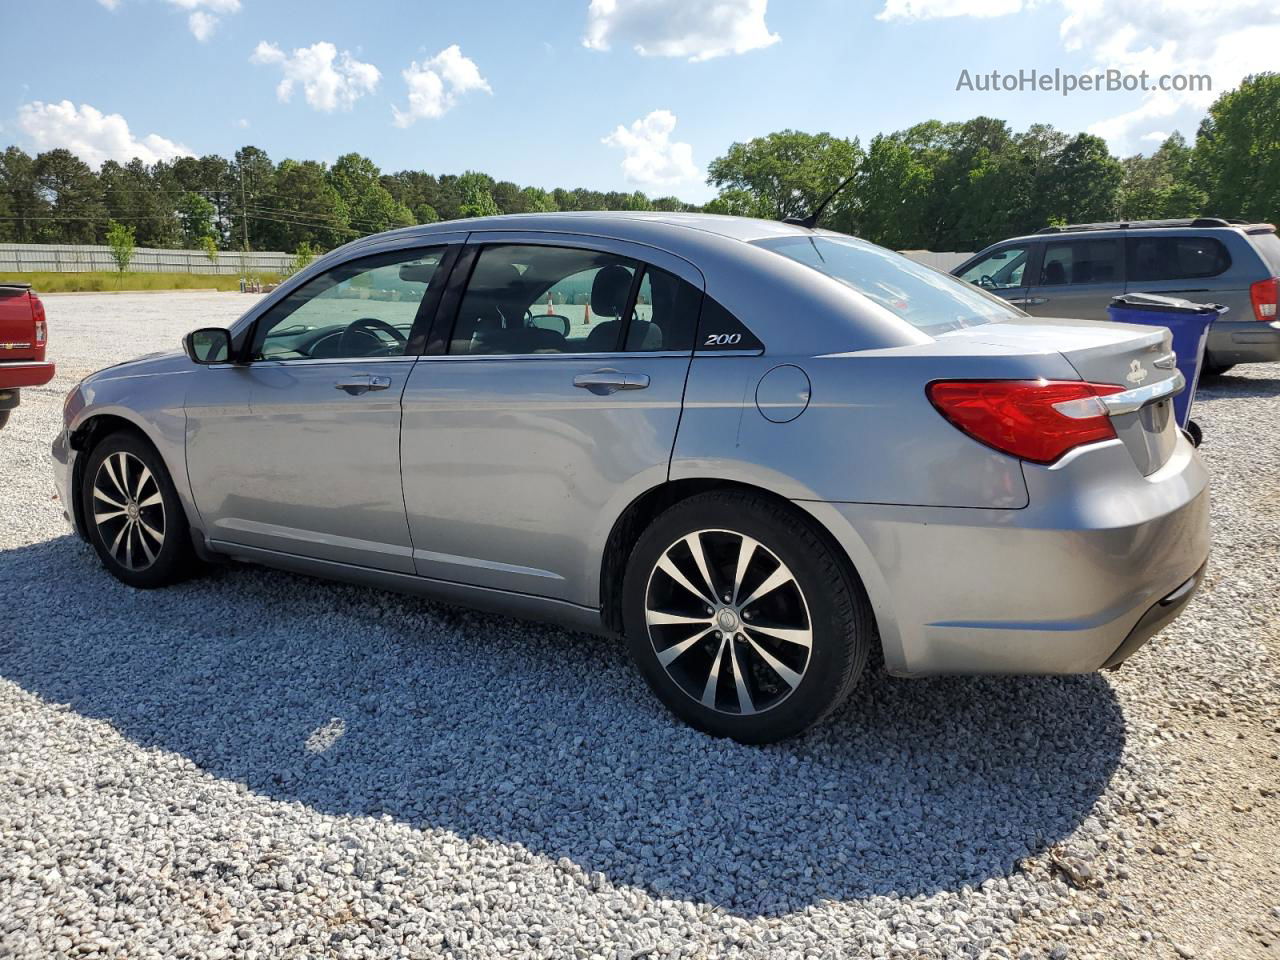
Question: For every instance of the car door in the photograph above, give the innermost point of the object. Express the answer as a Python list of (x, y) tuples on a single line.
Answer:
[(1077, 278), (1003, 271), (296, 449), (548, 400)]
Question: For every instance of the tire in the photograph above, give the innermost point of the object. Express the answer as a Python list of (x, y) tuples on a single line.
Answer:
[(794, 589), (128, 498), (1212, 370), (4, 418)]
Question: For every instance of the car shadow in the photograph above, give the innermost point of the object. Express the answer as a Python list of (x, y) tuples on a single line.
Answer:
[(1230, 385), (361, 703)]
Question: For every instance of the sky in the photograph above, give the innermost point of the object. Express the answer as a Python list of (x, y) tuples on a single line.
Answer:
[(604, 94)]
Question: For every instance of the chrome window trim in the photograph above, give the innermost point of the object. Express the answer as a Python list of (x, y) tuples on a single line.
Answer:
[(312, 361)]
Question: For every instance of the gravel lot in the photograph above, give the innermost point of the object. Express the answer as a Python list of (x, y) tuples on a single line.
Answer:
[(256, 764)]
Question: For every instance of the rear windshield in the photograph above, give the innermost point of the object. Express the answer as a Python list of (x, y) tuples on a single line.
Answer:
[(1268, 245), (932, 301)]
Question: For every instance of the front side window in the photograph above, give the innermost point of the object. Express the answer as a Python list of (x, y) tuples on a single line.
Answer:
[(934, 302), (1081, 261), (1176, 258), (362, 308), (1001, 270)]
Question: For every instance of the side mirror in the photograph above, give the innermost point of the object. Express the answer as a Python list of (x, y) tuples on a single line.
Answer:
[(208, 345)]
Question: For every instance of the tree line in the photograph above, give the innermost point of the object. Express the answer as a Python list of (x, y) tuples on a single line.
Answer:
[(936, 185)]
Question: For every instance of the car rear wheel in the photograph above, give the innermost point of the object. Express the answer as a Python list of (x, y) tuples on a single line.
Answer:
[(133, 515), (742, 619), (1212, 370)]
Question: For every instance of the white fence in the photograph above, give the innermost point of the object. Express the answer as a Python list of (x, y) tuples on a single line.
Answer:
[(939, 261), (67, 258)]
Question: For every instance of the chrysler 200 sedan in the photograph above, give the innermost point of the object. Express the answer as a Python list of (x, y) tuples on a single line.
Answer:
[(755, 449)]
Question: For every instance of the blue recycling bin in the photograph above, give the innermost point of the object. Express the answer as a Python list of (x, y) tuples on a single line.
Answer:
[(1188, 322)]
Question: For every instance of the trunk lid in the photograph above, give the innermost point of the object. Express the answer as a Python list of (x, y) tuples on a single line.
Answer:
[(17, 324), (1127, 355)]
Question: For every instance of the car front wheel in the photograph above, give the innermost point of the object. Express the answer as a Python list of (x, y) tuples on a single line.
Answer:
[(133, 515), (742, 619)]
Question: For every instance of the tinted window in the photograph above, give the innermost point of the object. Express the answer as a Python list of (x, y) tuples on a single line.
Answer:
[(666, 313), (1000, 270), (362, 308), (1268, 247), (926, 298), (1081, 261), (1176, 258), (535, 299)]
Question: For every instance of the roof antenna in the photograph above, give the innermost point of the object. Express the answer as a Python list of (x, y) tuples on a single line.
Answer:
[(811, 220)]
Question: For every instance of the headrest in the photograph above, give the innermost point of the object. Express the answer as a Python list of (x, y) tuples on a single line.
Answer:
[(609, 290)]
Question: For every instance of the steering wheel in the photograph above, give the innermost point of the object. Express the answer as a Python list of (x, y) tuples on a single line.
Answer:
[(368, 327), (988, 281)]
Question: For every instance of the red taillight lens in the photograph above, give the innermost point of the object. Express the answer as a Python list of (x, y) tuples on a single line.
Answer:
[(1264, 295), (1036, 420), (37, 314)]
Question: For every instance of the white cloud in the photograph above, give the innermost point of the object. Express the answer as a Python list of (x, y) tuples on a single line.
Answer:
[(436, 85), (243, 123), (202, 16), (649, 154), (937, 9), (696, 29), (328, 81), (91, 135), (1226, 40)]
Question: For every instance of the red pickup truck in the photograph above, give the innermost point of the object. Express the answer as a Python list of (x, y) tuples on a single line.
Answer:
[(23, 336)]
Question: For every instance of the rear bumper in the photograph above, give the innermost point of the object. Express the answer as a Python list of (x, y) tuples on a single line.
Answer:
[(1061, 586), (1243, 341), (25, 374)]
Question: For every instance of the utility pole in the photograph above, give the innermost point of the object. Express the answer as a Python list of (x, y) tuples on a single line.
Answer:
[(244, 210)]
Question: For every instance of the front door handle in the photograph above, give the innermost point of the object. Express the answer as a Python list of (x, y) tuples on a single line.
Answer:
[(1035, 301), (607, 381), (362, 383)]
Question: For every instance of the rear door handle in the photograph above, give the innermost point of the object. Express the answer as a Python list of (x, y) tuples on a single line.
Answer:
[(607, 381), (362, 383), (1035, 301)]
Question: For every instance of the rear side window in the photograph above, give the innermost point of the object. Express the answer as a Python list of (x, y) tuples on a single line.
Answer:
[(665, 316), (1081, 261), (1176, 258), (1268, 247)]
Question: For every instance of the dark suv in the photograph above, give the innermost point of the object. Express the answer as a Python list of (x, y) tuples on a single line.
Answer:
[(1075, 271)]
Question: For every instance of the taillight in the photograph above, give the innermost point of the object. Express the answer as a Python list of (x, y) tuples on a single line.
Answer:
[(37, 314), (1264, 295), (1036, 420)]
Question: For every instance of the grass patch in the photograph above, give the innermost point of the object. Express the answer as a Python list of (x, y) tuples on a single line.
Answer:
[(111, 281)]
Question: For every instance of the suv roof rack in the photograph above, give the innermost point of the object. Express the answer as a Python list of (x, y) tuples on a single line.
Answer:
[(1198, 222)]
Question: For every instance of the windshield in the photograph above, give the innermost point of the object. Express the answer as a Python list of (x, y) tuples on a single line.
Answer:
[(932, 301)]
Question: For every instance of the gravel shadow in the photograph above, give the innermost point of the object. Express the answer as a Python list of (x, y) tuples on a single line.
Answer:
[(358, 703), (1233, 385)]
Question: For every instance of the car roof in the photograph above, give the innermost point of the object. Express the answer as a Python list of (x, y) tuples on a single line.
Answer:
[(1151, 227), (680, 233)]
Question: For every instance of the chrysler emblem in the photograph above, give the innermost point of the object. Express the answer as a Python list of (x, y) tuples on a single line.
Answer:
[(1137, 372)]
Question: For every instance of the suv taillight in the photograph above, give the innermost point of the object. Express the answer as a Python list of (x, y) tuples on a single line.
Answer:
[(1036, 420), (37, 314), (1263, 295)]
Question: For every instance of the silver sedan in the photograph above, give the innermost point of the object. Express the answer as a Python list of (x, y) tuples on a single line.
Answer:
[(756, 450)]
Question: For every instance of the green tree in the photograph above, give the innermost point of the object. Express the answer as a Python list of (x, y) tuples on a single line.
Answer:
[(302, 257), (370, 206), (74, 194), (196, 214), (788, 173), (26, 207), (477, 201), (425, 213), (893, 189), (121, 241), (1087, 185), (210, 247), (306, 209), (1237, 152)]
